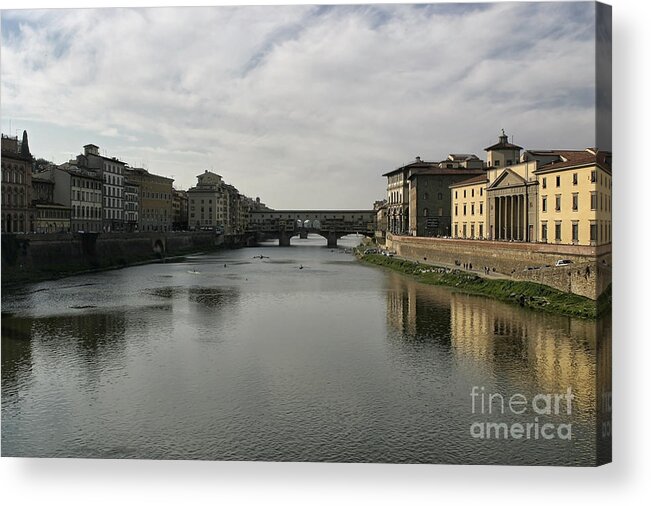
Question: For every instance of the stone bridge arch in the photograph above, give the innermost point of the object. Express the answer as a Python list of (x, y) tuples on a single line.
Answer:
[(331, 224), (159, 246)]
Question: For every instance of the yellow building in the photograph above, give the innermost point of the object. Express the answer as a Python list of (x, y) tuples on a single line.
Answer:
[(469, 208), (555, 196), (574, 204), (155, 204)]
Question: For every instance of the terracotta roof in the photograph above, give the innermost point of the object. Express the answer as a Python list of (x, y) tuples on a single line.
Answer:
[(413, 165), (462, 156), (437, 171), (472, 180), (574, 158), (502, 145)]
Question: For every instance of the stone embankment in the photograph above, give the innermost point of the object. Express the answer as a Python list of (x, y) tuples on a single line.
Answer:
[(589, 274), (33, 257)]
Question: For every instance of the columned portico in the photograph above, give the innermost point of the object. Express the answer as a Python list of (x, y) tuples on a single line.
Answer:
[(509, 218)]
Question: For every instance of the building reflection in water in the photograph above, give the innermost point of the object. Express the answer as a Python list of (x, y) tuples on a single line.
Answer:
[(416, 313), (16, 354), (518, 349)]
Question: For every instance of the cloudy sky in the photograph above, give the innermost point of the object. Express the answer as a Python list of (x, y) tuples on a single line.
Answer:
[(304, 106)]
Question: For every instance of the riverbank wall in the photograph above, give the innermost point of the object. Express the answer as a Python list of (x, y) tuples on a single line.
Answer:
[(34, 257), (589, 274)]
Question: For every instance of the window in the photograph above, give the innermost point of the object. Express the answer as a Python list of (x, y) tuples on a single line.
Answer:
[(509, 162), (544, 204), (426, 196), (544, 182), (464, 230), (575, 231), (472, 230), (425, 212), (440, 211), (543, 233), (558, 231), (464, 194), (481, 209), (481, 230), (472, 208), (575, 178), (481, 192), (497, 163), (440, 196), (575, 202), (464, 211), (558, 181), (593, 201), (455, 194), (593, 176), (558, 203), (456, 210), (472, 192)]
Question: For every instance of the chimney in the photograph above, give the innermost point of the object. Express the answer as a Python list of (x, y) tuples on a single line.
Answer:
[(418, 159)]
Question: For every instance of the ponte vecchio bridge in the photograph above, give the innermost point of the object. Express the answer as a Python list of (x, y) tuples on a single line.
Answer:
[(283, 225)]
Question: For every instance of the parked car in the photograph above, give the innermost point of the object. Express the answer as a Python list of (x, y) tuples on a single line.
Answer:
[(560, 263), (370, 251)]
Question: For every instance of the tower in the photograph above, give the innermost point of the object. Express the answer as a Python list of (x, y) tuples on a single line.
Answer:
[(503, 153)]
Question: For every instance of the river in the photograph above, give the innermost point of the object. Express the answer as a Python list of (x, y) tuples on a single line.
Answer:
[(229, 357)]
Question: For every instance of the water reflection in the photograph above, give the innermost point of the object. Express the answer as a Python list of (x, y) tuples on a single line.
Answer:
[(211, 298), (260, 360), (16, 353), (506, 349)]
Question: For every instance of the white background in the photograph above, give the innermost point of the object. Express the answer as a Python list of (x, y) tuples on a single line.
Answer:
[(626, 481)]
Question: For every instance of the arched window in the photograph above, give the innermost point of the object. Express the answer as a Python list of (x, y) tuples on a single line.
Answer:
[(426, 212)]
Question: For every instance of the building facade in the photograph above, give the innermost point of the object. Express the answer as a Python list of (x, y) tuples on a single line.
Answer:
[(397, 197), (556, 196), (17, 215), (381, 220), (131, 205), (215, 205), (51, 218), (429, 199), (155, 204), (111, 171), (179, 209), (418, 194), (575, 203), (469, 213), (207, 206), (80, 189), (42, 189)]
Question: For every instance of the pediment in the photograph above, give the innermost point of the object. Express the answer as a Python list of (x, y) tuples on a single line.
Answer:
[(507, 179)]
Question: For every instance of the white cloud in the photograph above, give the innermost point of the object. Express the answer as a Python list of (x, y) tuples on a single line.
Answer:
[(303, 106)]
